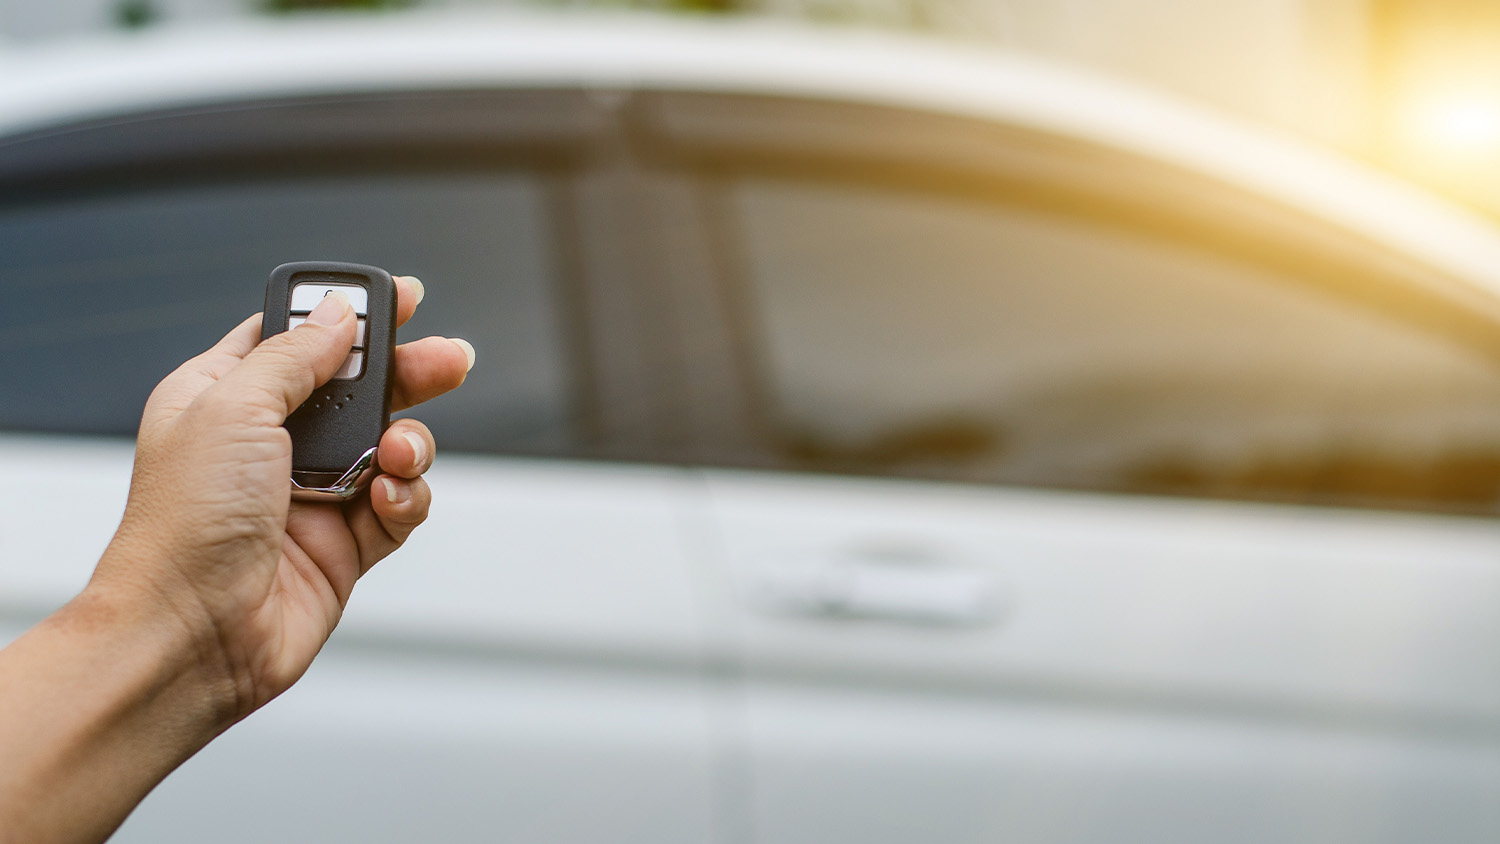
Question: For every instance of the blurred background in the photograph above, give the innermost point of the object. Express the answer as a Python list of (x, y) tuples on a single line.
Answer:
[(1408, 84), (896, 421)]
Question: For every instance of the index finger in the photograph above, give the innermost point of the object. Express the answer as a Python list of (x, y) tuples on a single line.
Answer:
[(409, 293)]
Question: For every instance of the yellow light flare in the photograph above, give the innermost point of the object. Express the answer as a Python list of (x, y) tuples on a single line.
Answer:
[(1455, 124)]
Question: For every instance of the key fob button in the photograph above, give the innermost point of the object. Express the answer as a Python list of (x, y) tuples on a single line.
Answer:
[(351, 367), (359, 328), (306, 296)]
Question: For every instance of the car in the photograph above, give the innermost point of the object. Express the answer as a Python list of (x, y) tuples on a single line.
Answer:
[(871, 439)]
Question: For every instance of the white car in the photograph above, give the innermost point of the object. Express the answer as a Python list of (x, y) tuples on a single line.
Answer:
[(870, 441)]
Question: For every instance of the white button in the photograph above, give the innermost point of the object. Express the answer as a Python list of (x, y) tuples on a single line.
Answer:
[(359, 327), (305, 297), (352, 366)]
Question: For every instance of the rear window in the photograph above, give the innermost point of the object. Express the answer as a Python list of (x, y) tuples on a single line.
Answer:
[(908, 333)]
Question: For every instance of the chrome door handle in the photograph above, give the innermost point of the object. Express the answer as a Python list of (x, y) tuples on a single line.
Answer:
[(912, 592)]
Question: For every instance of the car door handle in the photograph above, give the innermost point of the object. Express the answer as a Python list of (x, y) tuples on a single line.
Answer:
[(921, 592)]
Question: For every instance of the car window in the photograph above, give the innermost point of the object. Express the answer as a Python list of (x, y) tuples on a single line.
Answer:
[(906, 333), (105, 294)]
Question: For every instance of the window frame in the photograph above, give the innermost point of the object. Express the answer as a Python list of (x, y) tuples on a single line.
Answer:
[(1098, 186), (557, 136)]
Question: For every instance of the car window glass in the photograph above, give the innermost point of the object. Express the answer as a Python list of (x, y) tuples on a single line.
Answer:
[(902, 333), (104, 295)]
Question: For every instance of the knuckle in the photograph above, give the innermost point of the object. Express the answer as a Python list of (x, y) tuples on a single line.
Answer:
[(283, 352), (215, 405), (289, 369)]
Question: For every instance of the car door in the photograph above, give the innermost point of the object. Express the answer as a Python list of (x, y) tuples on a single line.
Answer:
[(1110, 504), (530, 666)]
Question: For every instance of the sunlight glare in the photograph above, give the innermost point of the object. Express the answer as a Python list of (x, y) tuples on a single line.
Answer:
[(1457, 124)]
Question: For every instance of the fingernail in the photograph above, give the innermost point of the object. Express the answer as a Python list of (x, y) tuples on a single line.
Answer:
[(416, 284), (331, 310), (468, 350), (396, 491), (418, 448)]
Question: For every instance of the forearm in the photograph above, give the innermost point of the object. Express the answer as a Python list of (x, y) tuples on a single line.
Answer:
[(210, 602), (98, 703)]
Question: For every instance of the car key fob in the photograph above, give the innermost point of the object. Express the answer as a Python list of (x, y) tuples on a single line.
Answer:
[(335, 432)]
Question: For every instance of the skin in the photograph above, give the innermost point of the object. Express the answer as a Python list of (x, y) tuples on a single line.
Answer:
[(206, 605)]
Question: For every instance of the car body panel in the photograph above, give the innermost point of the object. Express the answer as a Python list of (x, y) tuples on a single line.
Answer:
[(1150, 670), (831, 765), (1261, 607), (434, 745), (461, 697)]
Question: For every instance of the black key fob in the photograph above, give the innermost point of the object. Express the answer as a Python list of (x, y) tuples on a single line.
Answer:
[(336, 431)]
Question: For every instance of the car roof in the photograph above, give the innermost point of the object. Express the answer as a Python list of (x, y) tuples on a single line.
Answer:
[(101, 77)]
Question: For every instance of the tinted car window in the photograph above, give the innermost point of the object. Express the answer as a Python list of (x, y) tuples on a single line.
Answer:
[(105, 294), (918, 334)]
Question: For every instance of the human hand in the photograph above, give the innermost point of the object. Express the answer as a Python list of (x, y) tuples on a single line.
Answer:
[(217, 590), (210, 537)]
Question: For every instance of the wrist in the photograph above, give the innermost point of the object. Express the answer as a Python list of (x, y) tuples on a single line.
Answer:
[(102, 700), (171, 633)]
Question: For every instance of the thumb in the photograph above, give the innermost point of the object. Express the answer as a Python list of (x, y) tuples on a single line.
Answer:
[(278, 375)]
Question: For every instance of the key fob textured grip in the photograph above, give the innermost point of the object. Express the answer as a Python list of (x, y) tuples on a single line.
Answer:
[(340, 425)]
